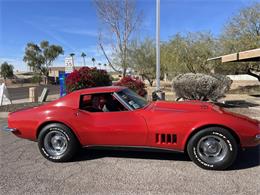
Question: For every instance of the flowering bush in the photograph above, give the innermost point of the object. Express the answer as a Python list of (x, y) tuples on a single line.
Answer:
[(133, 83), (87, 77)]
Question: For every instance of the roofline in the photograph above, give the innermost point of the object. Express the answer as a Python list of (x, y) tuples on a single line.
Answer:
[(215, 58), (243, 56)]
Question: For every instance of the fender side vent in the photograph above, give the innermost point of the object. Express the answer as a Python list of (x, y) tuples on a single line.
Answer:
[(165, 138)]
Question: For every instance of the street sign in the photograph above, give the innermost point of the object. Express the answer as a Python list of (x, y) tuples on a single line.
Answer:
[(69, 61), (68, 69), (69, 65), (4, 95)]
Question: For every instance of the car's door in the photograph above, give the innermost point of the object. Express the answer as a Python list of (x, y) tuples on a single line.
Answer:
[(125, 128)]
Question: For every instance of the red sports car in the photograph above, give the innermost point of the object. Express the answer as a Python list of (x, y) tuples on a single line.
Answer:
[(118, 117)]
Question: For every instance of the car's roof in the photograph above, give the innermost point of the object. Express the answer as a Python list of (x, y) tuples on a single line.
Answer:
[(107, 89)]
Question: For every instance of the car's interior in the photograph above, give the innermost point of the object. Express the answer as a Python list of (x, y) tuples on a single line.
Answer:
[(102, 102)]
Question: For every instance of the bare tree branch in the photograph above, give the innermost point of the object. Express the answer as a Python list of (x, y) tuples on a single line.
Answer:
[(121, 19), (106, 56)]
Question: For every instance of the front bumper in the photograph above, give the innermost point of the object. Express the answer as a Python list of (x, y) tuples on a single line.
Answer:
[(8, 129)]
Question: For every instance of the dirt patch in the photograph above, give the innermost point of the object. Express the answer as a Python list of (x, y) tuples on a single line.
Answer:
[(251, 89), (237, 84), (253, 113)]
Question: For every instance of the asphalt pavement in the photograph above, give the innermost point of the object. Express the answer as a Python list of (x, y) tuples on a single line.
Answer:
[(24, 171), (23, 92)]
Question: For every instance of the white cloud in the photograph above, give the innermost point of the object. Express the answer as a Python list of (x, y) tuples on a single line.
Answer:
[(80, 32)]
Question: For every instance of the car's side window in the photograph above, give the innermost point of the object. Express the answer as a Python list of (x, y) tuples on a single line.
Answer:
[(102, 102)]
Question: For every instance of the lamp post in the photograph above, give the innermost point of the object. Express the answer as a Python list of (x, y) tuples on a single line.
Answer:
[(157, 45), (158, 94)]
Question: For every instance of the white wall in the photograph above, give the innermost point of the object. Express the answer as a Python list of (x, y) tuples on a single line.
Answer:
[(242, 77)]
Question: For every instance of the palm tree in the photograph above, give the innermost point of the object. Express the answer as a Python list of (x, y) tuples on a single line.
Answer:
[(93, 60), (72, 56), (99, 65), (83, 55), (105, 65)]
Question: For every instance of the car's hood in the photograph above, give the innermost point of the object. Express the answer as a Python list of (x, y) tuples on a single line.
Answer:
[(193, 106)]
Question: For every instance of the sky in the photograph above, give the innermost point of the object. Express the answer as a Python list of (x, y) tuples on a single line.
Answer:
[(74, 25)]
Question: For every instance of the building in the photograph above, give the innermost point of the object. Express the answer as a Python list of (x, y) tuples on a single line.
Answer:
[(243, 56), (55, 71)]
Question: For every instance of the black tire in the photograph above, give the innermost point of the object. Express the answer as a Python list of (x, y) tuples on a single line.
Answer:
[(54, 135), (213, 148)]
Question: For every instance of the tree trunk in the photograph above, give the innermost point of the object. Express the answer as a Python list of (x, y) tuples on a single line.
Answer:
[(150, 82), (124, 72), (46, 79), (165, 77)]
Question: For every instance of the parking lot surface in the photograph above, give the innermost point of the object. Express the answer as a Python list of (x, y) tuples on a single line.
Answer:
[(23, 92), (24, 171)]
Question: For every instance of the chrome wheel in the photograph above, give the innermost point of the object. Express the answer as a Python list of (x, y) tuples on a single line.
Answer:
[(55, 143), (212, 149)]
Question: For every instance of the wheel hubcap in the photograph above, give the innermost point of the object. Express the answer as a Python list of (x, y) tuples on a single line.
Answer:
[(212, 149), (55, 143)]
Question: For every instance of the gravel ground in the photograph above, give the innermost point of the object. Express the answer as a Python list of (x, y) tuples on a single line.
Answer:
[(24, 171)]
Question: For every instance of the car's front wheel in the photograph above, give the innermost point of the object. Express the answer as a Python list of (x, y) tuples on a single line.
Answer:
[(57, 143), (213, 148)]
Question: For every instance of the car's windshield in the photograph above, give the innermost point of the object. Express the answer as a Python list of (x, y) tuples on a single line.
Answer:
[(133, 100)]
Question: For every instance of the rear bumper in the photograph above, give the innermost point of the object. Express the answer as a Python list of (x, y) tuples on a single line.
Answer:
[(8, 129)]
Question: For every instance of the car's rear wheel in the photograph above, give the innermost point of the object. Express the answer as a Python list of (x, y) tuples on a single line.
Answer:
[(57, 143), (213, 148)]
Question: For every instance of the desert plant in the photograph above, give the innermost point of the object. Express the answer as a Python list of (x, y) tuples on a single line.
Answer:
[(202, 87), (87, 77), (37, 78), (6, 70), (133, 83), (41, 57)]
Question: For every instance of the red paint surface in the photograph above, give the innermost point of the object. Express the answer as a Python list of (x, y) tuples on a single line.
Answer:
[(133, 128)]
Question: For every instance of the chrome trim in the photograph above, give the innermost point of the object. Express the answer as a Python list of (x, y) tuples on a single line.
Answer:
[(122, 101), (7, 129), (133, 148), (257, 136)]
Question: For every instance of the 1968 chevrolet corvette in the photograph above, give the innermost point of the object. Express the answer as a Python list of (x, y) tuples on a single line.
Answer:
[(116, 116)]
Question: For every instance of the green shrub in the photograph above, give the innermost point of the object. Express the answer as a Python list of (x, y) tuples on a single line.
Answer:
[(36, 78)]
